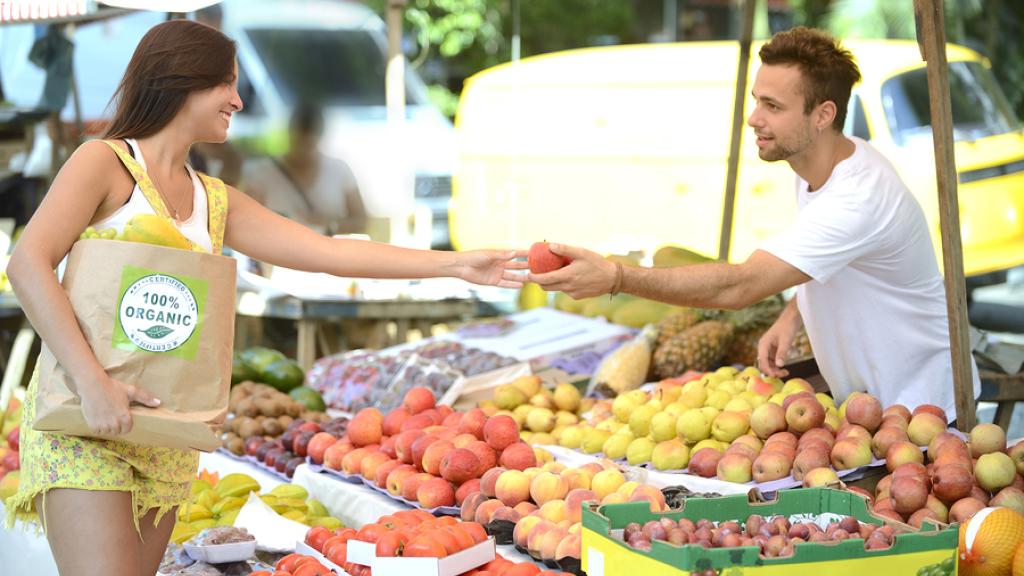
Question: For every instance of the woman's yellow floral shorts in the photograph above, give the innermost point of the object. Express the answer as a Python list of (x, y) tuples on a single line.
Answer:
[(156, 477)]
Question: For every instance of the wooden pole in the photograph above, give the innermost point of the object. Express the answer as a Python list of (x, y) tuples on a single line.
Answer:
[(394, 89), (746, 38), (931, 35), (76, 100)]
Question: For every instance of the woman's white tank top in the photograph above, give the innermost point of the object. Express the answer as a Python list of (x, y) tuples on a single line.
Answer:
[(196, 228)]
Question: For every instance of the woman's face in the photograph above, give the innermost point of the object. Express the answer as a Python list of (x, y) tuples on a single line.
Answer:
[(209, 111)]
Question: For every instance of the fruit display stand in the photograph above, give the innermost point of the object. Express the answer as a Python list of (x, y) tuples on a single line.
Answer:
[(604, 551), (542, 334)]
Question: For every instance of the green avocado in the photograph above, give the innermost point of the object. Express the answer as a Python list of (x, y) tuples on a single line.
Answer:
[(283, 375), (240, 371), (258, 358), (309, 398)]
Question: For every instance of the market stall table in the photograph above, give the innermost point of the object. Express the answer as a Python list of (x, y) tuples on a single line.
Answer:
[(312, 315)]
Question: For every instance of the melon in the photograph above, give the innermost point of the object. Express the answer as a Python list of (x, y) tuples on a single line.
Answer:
[(989, 541)]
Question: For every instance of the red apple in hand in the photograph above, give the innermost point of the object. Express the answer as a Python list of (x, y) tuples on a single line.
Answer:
[(541, 259)]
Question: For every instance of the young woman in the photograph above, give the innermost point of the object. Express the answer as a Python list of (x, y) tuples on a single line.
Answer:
[(108, 506)]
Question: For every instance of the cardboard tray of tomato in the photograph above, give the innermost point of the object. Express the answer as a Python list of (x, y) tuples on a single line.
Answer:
[(303, 548), (462, 561)]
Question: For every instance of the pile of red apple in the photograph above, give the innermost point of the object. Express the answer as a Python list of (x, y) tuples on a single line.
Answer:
[(286, 452), (776, 536), (422, 452), (959, 479)]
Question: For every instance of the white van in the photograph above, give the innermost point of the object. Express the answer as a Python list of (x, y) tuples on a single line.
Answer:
[(285, 49)]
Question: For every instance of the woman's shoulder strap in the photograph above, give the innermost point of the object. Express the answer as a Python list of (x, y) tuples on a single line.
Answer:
[(217, 208), (141, 178)]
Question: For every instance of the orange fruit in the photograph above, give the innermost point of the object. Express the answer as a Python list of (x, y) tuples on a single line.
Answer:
[(989, 541)]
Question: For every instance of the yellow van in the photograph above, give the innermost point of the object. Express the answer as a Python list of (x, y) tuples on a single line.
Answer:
[(625, 148)]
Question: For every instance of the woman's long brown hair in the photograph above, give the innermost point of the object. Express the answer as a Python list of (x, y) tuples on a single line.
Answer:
[(172, 60)]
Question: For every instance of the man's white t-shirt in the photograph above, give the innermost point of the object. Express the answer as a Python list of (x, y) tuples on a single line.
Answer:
[(875, 309)]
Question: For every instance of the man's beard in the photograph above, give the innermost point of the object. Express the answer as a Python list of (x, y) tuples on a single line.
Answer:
[(783, 151)]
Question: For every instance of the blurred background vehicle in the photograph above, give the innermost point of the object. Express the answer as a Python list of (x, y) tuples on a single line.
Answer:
[(634, 141), (288, 50)]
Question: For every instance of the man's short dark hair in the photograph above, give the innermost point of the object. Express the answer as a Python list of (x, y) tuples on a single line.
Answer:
[(828, 70)]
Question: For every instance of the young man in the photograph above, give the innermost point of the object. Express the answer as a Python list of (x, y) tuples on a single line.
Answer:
[(869, 289)]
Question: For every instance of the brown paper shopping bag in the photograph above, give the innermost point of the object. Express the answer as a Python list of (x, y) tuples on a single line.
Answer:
[(156, 317)]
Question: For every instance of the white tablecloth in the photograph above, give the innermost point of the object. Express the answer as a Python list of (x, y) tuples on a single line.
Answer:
[(23, 552)]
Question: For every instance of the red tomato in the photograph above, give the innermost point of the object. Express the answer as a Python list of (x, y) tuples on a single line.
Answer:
[(475, 530), (461, 536), (522, 569), (447, 520), (331, 544), (446, 539), (371, 533), (348, 533), (424, 546), (338, 554), (391, 544), (287, 563), (316, 537), (313, 568)]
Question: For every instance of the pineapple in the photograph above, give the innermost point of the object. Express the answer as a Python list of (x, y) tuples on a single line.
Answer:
[(751, 323), (698, 348), (801, 346), (702, 340), (677, 323), (743, 348)]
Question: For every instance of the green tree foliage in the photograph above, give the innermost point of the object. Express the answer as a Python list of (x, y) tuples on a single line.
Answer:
[(471, 35), (992, 27)]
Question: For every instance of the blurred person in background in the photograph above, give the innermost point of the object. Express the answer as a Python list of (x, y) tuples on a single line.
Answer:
[(306, 185), (218, 159)]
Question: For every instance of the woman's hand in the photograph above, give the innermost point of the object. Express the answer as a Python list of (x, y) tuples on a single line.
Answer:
[(105, 405), (492, 267)]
